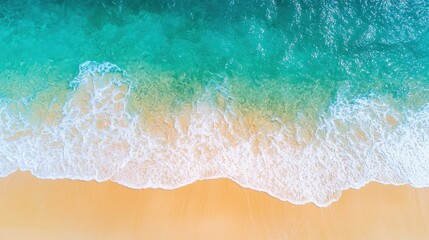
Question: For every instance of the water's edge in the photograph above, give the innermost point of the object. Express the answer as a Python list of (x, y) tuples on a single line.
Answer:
[(95, 136)]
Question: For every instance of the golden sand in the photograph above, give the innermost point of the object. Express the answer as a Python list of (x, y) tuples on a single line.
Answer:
[(31, 208)]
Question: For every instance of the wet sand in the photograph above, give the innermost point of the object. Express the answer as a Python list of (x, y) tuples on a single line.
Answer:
[(31, 208)]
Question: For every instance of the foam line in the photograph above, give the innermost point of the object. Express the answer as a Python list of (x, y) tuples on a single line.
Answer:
[(98, 139)]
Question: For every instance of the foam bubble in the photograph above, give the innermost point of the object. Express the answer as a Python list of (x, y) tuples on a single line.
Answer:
[(97, 138)]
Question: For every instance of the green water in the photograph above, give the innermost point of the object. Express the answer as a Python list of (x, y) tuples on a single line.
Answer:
[(278, 57)]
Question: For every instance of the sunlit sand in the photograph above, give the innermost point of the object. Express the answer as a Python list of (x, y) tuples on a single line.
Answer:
[(32, 208)]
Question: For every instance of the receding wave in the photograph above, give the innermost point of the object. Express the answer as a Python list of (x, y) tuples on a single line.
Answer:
[(97, 136)]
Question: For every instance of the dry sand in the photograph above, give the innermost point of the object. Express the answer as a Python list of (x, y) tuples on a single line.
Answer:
[(31, 208)]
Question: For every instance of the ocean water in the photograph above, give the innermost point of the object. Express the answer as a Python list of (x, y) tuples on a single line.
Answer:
[(299, 99)]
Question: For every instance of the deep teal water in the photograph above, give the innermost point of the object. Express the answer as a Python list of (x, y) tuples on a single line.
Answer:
[(286, 55)]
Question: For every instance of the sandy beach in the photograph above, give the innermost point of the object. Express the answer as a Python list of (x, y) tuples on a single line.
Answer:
[(213, 209)]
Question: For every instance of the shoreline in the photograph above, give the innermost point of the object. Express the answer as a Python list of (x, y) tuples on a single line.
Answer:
[(208, 209)]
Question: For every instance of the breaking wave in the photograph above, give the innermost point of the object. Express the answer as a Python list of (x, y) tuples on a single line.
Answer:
[(97, 137)]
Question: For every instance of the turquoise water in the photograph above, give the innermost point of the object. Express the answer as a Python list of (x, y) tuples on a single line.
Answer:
[(339, 86), (285, 48)]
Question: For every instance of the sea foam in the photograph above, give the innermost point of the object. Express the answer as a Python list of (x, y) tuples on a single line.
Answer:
[(98, 138)]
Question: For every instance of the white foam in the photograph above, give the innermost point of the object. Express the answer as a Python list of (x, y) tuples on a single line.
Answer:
[(97, 138)]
